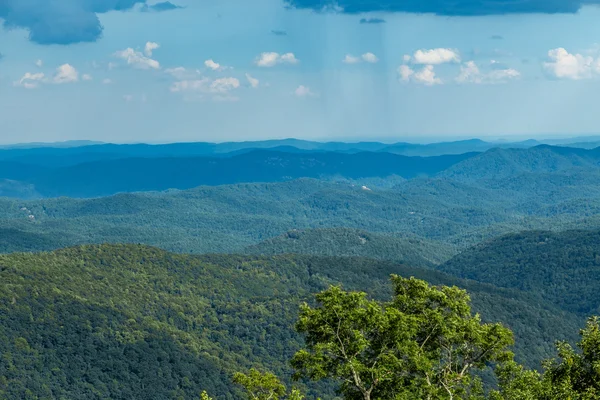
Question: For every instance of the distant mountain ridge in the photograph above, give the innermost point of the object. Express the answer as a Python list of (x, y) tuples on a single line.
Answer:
[(107, 177), (71, 153), (499, 163)]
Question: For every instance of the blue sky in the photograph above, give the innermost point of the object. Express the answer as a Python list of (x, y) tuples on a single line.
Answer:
[(219, 70)]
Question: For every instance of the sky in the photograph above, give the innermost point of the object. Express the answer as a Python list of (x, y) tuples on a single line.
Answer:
[(219, 70)]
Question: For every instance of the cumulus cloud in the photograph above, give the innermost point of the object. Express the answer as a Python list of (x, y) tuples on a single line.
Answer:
[(214, 65), (30, 81), (367, 57), (150, 47), (137, 59), (61, 21), (304, 91), (350, 59), (270, 59), (86, 77), (425, 76), (445, 7), (565, 65), (39, 63), (372, 20), (66, 73), (370, 58), (433, 56), (220, 89), (470, 73), (252, 81)]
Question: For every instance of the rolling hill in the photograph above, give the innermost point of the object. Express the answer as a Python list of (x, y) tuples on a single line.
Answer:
[(346, 242), (133, 322), (229, 218), (563, 267)]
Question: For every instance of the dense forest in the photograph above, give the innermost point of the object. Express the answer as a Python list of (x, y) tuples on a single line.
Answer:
[(117, 321), (213, 291), (562, 267), (346, 242)]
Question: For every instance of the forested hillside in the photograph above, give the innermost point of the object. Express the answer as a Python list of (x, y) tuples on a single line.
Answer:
[(229, 218), (133, 322), (346, 242), (563, 267)]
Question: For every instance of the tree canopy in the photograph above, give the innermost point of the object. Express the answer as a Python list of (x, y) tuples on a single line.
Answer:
[(424, 343)]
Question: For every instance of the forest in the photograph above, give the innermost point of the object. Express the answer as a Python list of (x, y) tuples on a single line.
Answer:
[(232, 291)]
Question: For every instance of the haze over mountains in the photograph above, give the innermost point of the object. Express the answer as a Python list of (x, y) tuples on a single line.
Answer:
[(100, 170), (104, 235)]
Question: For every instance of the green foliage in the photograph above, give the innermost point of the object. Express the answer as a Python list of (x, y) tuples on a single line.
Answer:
[(423, 344), (133, 322), (260, 386), (575, 376), (230, 218), (562, 267), (347, 242), (205, 396)]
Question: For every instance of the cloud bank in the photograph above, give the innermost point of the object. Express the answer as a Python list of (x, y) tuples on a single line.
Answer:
[(446, 7), (63, 21)]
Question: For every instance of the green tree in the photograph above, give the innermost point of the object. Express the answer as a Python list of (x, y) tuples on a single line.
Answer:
[(265, 386), (575, 376), (423, 344)]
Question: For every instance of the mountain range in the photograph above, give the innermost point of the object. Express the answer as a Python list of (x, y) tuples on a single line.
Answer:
[(101, 297)]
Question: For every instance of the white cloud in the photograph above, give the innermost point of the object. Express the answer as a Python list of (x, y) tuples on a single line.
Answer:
[(469, 73), (39, 63), (86, 77), (128, 97), (66, 73), (425, 76), (370, 58), (367, 57), (565, 65), (214, 65), (502, 75), (434, 56), (150, 47), (224, 85), (270, 59), (406, 58), (106, 81), (137, 59), (405, 72), (30, 81), (219, 88), (303, 91), (289, 58), (252, 81), (350, 59)]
